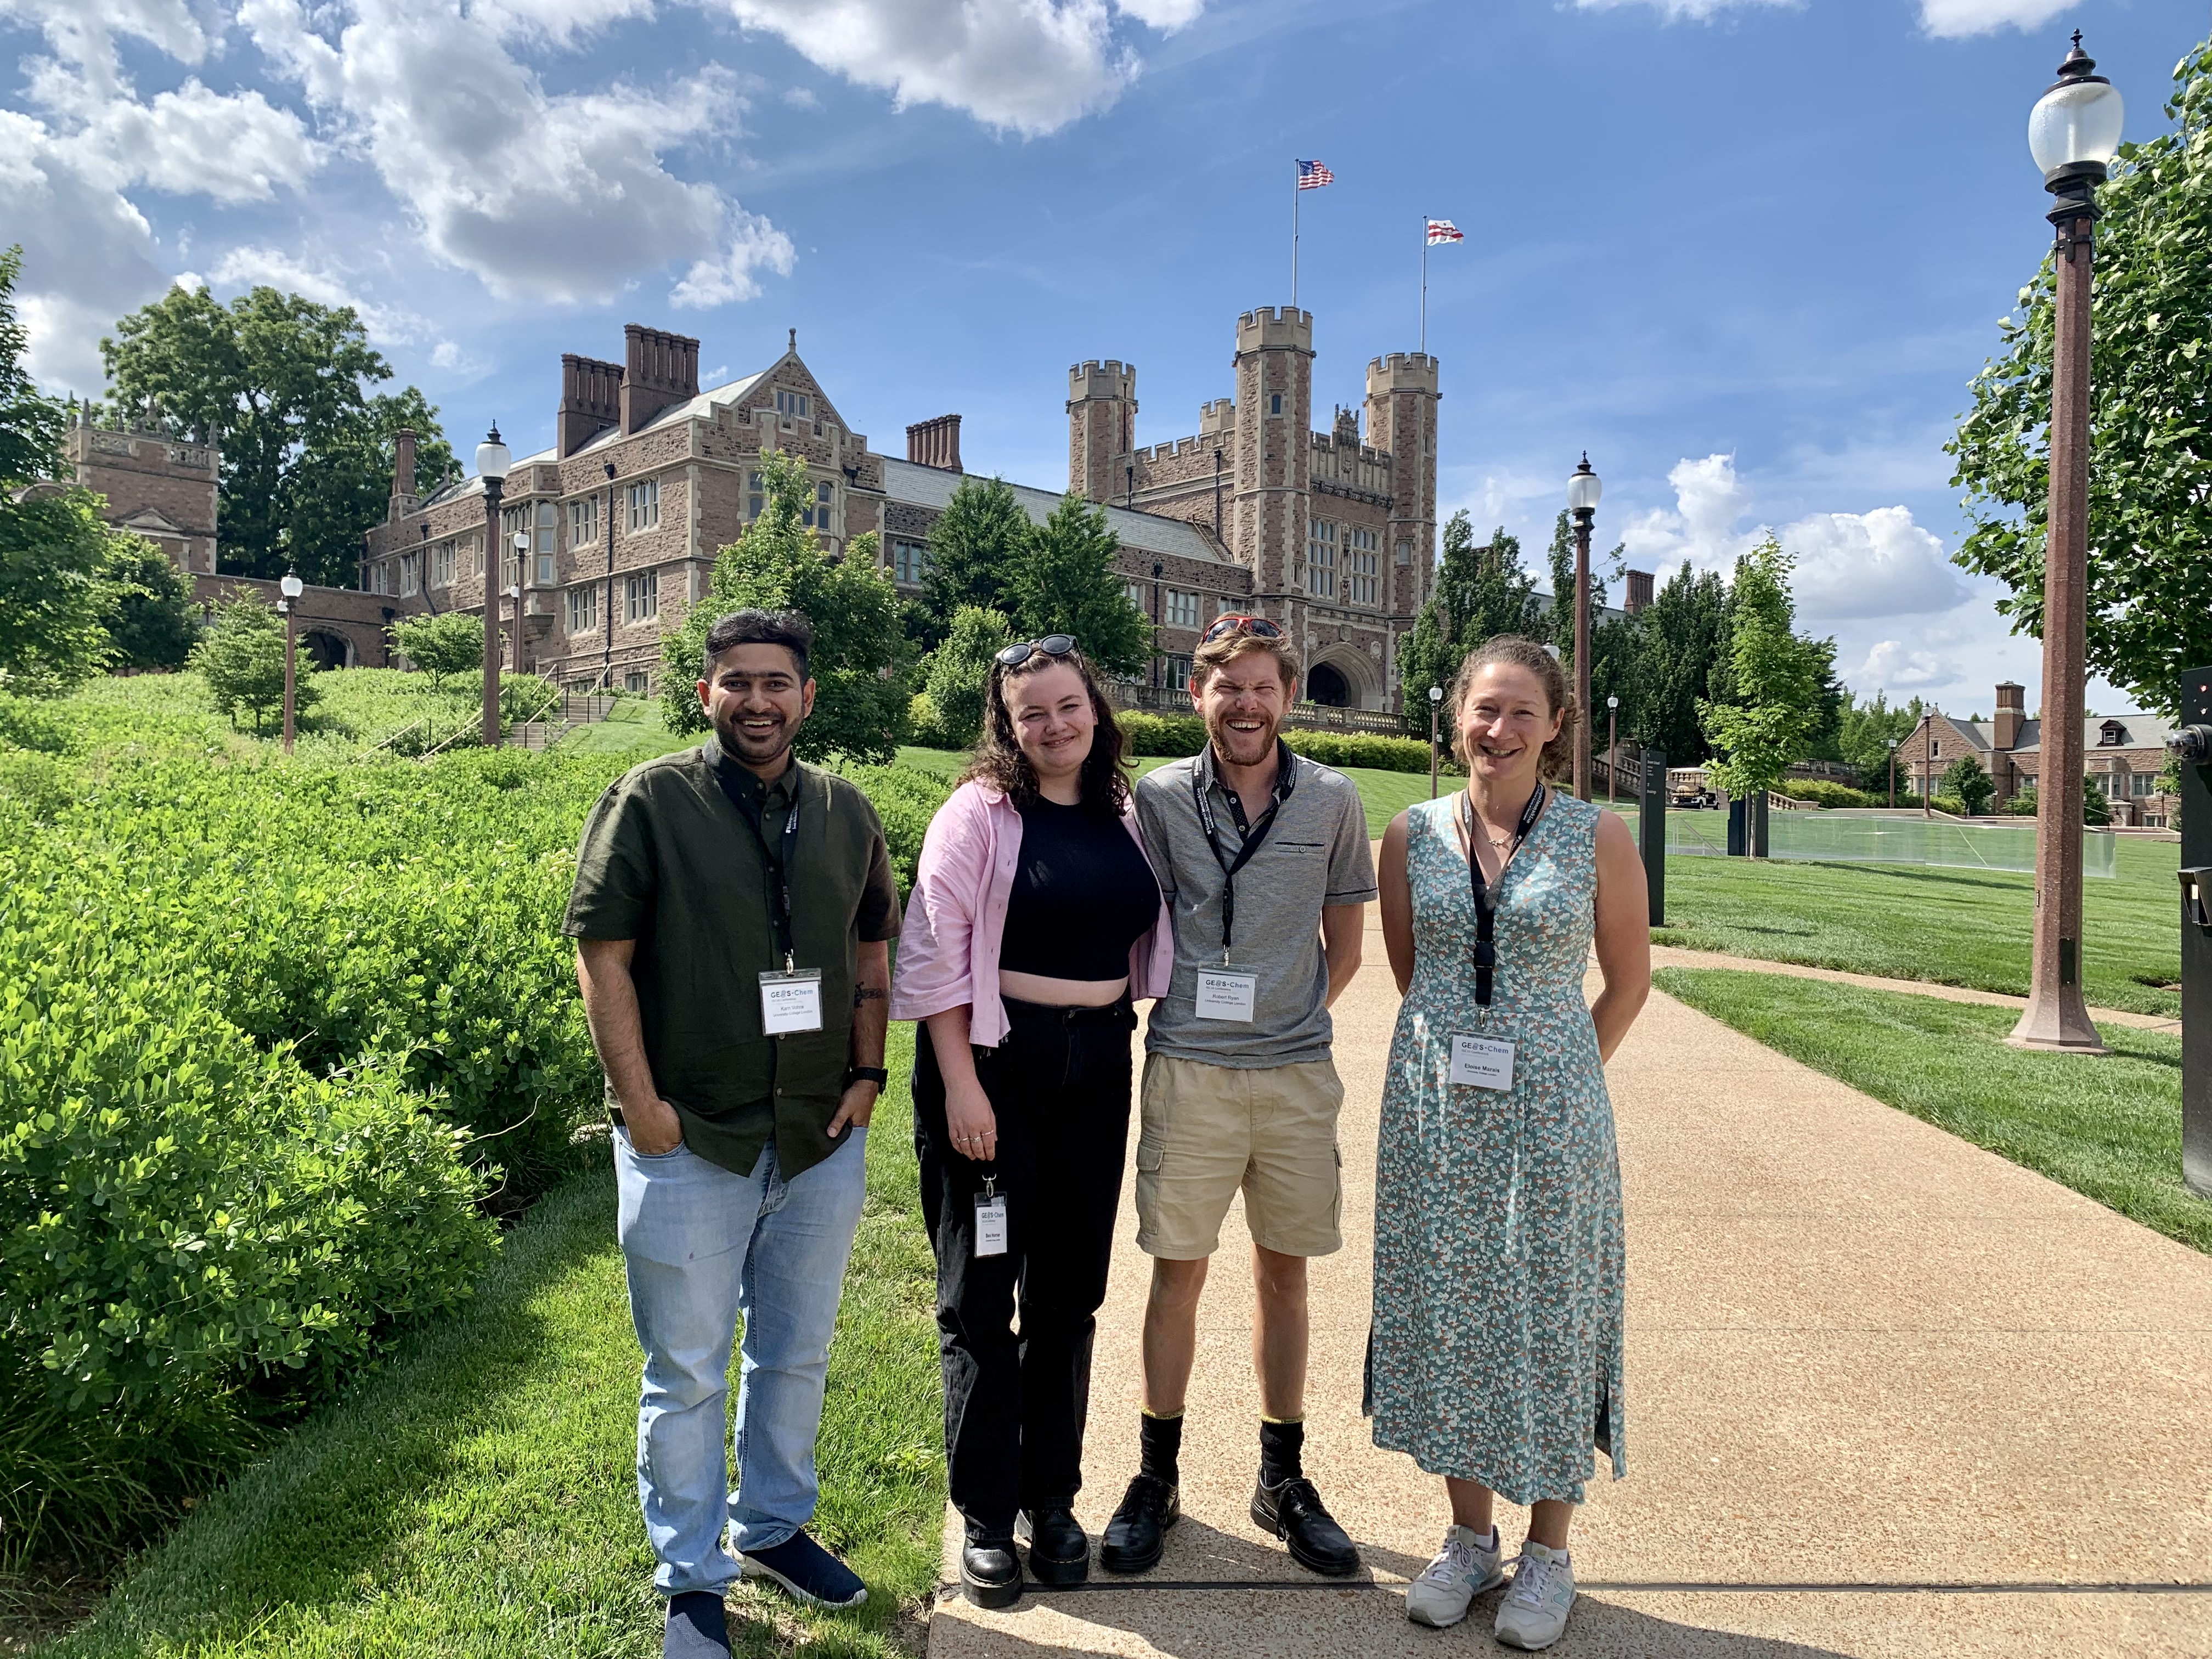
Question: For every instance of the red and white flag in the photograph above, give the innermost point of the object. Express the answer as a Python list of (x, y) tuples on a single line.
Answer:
[(1444, 230), (1312, 175)]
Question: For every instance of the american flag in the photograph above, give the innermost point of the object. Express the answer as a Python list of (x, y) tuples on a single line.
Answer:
[(1444, 230), (1312, 175)]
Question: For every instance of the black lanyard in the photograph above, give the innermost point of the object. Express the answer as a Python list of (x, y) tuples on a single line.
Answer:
[(778, 877), (1485, 907), (1255, 835)]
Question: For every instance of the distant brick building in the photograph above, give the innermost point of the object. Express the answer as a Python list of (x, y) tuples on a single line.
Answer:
[(2123, 756), (161, 484), (612, 532)]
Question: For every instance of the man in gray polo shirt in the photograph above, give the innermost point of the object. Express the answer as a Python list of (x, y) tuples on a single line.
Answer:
[(1264, 860)]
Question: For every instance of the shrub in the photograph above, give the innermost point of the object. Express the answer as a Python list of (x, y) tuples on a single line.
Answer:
[(928, 725), (1360, 749), (1173, 735), (905, 798), (450, 642), (2021, 806), (1822, 791)]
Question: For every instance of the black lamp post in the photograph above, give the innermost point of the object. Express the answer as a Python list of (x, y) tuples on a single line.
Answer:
[(1436, 704), (2073, 133), (1583, 492), (1612, 752), (493, 461)]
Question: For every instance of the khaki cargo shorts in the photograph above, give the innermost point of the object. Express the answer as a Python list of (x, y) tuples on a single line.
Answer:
[(1208, 1131)]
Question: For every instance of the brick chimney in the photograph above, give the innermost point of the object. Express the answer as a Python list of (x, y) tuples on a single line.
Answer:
[(2012, 714), (657, 369), (935, 443), (403, 476), (591, 402), (1639, 597)]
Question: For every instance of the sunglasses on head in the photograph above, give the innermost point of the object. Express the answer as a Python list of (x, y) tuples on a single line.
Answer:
[(1258, 627), (1052, 645)]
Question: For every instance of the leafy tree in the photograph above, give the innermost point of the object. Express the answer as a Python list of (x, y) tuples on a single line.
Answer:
[(2022, 805), (55, 552), (280, 385), (1966, 779), (241, 656), (1682, 661), (1778, 680), (861, 655), (150, 620), (1866, 733), (1480, 592), (959, 671), (2096, 806), (1063, 580), (974, 550), (450, 642), (2150, 461)]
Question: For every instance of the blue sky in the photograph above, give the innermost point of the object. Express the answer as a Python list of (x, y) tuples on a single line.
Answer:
[(1748, 253)]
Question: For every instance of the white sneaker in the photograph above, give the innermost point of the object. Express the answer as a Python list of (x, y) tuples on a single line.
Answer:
[(1534, 1611), (1467, 1565)]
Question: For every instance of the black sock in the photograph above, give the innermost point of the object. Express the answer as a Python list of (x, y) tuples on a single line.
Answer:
[(1160, 1439), (1279, 1446)]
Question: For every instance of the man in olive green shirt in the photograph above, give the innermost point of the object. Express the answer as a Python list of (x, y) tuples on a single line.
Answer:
[(733, 910)]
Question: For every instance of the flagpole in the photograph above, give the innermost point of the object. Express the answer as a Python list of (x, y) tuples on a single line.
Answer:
[(1294, 193), (1425, 282)]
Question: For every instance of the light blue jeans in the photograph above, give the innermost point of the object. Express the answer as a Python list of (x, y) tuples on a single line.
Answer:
[(704, 1247)]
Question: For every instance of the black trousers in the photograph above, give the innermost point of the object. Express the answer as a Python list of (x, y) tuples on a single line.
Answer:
[(1015, 1404)]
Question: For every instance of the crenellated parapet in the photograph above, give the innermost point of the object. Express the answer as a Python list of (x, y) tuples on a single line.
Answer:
[(1111, 379), (1401, 371), (1274, 328)]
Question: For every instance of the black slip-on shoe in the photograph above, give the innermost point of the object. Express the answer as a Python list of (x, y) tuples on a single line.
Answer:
[(806, 1572), (1293, 1512), (1137, 1532), (1060, 1550), (698, 1627), (990, 1572)]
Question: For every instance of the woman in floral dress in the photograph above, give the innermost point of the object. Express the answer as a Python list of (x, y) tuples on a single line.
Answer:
[(1495, 1358)]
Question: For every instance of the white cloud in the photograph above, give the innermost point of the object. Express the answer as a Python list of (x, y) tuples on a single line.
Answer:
[(1709, 502), (233, 147), (1953, 18), (1698, 11), (1871, 564), (1892, 667), (1026, 66), (754, 245), (258, 267), (542, 195)]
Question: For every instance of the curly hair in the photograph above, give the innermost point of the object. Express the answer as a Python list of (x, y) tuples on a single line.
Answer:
[(998, 760), (1558, 759)]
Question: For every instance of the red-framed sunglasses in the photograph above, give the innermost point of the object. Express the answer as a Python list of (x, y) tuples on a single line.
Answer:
[(1258, 627)]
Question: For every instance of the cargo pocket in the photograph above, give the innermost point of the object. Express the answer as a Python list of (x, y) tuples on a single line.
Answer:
[(1150, 1153), (1336, 1209)]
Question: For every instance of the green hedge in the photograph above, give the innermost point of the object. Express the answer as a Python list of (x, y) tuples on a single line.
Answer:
[(1822, 792)]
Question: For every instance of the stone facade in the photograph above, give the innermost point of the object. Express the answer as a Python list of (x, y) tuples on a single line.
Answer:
[(2123, 754), (158, 484)]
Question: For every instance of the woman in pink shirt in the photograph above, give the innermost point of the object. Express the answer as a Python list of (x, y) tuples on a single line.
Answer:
[(1035, 923)]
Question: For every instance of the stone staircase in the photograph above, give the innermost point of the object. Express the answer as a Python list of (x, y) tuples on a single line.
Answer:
[(563, 714)]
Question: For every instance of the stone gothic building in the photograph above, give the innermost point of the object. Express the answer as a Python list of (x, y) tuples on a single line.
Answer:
[(610, 532)]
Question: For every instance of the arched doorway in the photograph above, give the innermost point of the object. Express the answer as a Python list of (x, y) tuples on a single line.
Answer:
[(326, 650), (1325, 685)]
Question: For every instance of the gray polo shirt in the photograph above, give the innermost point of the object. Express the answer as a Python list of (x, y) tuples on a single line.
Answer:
[(1316, 854)]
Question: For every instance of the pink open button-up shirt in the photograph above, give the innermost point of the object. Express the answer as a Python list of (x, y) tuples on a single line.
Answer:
[(955, 919)]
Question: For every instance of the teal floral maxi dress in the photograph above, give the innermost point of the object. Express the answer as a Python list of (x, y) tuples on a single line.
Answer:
[(1495, 1355)]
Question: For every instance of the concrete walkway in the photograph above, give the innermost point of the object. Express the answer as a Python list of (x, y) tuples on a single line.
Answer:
[(1863, 1357)]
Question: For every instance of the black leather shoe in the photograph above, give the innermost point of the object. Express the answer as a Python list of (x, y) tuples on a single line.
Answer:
[(1293, 1512), (1060, 1550), (990, 1572), (1137, 1532)]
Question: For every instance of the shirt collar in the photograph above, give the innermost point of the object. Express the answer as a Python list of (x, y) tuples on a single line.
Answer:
[(1210, 778), (749, 785)]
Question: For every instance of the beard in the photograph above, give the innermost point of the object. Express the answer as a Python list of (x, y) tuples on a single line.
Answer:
[(1242, 748), (754, 749)]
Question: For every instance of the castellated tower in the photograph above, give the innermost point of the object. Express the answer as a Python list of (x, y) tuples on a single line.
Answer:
[(1266, 527), (1102, 428), (1401, 418)]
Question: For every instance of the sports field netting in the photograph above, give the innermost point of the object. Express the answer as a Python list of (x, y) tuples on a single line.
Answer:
[(1853, 838)]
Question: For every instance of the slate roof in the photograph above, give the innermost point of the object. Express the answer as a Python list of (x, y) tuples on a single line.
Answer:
[(932, 487)]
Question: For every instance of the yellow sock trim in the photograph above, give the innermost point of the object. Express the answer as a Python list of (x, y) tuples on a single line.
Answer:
[(1160, 1417), (1280, 1422)]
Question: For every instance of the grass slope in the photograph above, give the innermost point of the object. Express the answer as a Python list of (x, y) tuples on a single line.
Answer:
[(477, 1496), (1968, 928), (2110, 1129)]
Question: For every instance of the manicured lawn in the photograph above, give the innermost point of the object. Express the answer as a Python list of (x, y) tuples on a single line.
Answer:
[(1952, 926), (476, 1496), (2109, 1128)]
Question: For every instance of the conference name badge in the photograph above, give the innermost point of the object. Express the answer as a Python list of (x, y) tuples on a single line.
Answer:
[(1481, 1063), (791, 1000), (990, 1219), (1224, 995)]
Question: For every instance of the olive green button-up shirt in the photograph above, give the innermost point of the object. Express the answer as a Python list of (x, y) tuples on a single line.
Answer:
[(670, 860)]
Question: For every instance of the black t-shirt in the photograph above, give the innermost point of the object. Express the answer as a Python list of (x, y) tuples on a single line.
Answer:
[(1083, 896)]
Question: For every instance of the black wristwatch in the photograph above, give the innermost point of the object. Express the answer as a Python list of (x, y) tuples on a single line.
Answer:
[(875, 1074)]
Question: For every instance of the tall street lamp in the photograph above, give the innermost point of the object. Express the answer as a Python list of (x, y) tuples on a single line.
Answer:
[(1612, 756), (1583, 492), (493, 461), (1436, 703), (291, 587), (2073, 133)]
